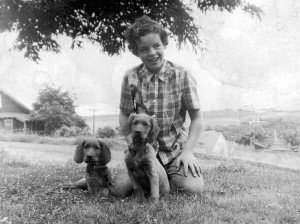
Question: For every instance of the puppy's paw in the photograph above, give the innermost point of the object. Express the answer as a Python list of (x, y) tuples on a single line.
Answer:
[(66, 186), (103, 193), (153, 200)]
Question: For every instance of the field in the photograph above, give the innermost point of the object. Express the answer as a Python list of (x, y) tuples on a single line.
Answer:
[(211, 118), (102, 121), (235, 192)]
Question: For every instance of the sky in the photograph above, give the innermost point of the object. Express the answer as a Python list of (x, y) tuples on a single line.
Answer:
[(248, 64)]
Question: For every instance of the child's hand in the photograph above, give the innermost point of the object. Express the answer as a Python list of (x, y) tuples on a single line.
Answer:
[(188, 160)]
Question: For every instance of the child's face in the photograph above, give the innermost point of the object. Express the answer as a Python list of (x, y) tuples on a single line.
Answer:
[(151, 51)]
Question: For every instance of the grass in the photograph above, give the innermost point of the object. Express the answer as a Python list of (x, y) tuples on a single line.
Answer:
[(235, 192)]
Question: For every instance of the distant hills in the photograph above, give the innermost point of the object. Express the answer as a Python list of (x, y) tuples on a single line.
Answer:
[(213, 118)]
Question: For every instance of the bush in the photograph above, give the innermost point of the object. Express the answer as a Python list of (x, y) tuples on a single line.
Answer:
[(73, 131), (106, 132), (85, 132)]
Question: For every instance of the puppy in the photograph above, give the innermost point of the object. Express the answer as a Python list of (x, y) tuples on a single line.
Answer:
[(96, 154), (148, 177)]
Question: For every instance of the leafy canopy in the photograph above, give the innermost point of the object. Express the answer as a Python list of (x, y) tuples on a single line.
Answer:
[(56, 109), (39, 22)]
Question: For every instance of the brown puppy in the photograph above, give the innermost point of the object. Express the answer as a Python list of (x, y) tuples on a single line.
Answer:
[(96, 154), (147, 175)]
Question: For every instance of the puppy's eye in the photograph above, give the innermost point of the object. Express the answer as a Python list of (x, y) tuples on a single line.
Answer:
[(135, 122), (97, 147), (145, 123)]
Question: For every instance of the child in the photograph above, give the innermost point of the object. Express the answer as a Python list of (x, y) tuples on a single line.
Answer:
[(166, 92)]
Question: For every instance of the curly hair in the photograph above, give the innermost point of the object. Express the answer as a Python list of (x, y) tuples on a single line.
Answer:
[(141, 27)]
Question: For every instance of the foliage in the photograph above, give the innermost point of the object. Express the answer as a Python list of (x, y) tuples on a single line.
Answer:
[(78, 121), (73, 131), (262, 131), (106, 132), (56, 108), (102, 22)]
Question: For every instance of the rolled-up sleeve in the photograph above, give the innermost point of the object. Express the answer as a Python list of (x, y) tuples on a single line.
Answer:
[(190, 95), (126, 104)]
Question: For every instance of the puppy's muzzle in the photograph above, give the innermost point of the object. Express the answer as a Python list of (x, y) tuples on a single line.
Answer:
[(139, 133), (90, 159)]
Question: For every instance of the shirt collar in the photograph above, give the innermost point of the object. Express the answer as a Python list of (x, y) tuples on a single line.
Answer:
[(163, 74)]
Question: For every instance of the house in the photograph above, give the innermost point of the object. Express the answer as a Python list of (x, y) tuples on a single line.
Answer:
[(14, 115), (213, 143)]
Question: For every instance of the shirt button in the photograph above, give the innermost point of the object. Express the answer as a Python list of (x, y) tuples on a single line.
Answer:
[(154, 116), (154, 101)]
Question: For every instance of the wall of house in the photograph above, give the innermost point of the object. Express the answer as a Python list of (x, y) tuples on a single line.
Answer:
[(9, 106), (17, 124)]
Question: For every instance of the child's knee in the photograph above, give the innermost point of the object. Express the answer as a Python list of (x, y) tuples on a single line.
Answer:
[(122, 186), (188, 184)]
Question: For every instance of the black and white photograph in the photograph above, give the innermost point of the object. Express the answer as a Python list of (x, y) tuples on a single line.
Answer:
[(149, 111)]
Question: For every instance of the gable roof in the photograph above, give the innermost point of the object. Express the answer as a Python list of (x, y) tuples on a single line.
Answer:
[(209, 138), (15, 100), (18, 116)]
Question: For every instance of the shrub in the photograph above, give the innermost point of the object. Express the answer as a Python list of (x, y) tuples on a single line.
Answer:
[(73, 131), (61, 131), (78, 140), (105, 132), (85, 132)]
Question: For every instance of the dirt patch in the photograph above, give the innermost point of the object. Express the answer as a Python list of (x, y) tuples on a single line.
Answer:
[(62, 154), (47, 153)]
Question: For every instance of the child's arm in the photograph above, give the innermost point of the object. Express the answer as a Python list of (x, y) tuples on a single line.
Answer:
[(123, 117), (187, 157)]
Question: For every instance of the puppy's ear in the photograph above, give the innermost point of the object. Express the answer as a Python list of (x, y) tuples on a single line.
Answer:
[(105, 154), (78, 156), (125, 128), (153, 132)]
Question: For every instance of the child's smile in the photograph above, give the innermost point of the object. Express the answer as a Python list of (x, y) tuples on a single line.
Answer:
[(151, 51)]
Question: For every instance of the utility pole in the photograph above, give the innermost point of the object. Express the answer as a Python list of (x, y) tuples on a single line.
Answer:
[(94, 121)]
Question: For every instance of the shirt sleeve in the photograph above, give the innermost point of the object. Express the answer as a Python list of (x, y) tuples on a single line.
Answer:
[(190, 93), (126, 104)]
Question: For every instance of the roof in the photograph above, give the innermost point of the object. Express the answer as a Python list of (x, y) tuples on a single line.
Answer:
[(18, 116), (15, 100), (209, 138)]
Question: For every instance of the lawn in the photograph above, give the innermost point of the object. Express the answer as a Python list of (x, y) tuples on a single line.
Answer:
[(235, 192)]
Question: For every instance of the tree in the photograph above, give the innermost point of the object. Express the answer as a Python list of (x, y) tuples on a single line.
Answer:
[(38, 22), (56, 108)]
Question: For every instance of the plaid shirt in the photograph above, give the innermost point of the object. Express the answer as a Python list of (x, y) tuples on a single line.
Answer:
[(167, 95)]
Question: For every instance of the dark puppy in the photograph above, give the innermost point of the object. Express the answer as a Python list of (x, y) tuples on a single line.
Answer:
[(146, 173), (96, 154)]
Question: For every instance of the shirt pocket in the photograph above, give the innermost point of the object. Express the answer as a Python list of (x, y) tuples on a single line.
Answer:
[(173, 107), (174, 103)]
